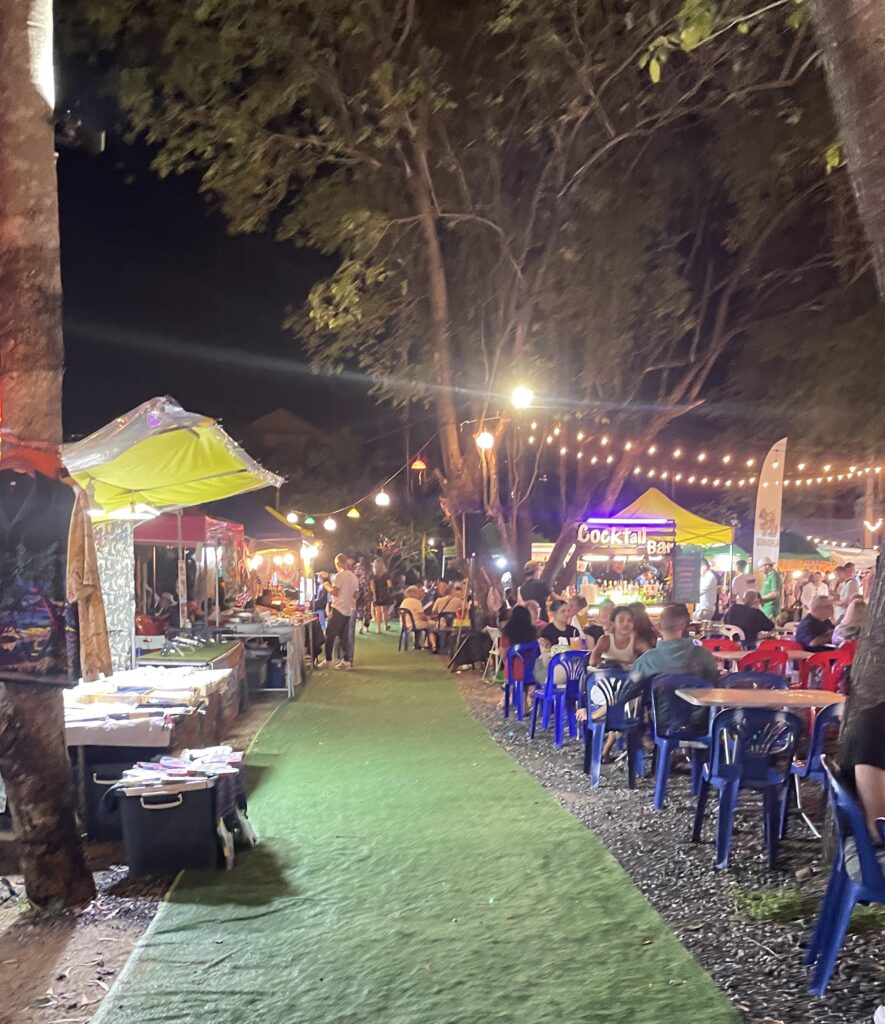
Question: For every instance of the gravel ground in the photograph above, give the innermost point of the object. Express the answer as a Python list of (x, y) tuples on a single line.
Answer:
[(757, 963)]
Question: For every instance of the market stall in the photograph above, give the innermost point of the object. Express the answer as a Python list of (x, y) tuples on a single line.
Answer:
[(280, 552), (135, 714), (156, 457), (626, 557), (213, 552)]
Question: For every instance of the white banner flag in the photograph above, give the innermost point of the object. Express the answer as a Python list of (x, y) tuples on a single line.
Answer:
[(769, 501)]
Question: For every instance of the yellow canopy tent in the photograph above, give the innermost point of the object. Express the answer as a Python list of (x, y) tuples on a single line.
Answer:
[(163, 457), (690, 528)]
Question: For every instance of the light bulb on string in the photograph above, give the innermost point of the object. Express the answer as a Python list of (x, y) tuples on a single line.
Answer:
[(382, 499), (288, 558), (531, 438), (702, 456), (485, 441), (292, 517), (309, 520), (330, 525), (610, 459), (556, 431), (353, 513)]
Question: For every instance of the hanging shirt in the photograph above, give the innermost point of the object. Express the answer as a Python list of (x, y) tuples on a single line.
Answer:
[(39, 634)]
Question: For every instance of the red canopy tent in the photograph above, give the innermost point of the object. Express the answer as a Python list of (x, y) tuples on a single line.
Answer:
[(195, 529)]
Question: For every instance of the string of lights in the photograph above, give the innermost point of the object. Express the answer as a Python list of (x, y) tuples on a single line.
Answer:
[(698, 467)]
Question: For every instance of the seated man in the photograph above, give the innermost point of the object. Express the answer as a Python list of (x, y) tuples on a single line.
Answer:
[(676, 653), (815, 631), (747, 614)]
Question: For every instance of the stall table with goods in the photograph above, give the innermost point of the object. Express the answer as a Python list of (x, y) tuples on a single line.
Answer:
[(113, 722), (291, 632)]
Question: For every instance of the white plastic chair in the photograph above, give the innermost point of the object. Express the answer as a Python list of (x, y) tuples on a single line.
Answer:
[(732, 632), (495, 658)]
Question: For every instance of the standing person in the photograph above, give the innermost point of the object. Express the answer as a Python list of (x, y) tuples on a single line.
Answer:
[(814, 587), (847, 588), (742, 581), (343, 589), (534, 589), (380, 584), (363, 597), (772, 590), (709, 588)]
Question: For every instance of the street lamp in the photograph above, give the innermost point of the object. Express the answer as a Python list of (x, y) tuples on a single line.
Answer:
[(522, 397), (485, 441)]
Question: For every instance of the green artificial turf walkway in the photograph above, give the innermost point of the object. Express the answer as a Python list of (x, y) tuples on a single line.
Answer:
[(409, 873)]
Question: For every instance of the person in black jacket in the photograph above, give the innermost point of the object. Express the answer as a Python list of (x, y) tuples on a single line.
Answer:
[(748, 616)]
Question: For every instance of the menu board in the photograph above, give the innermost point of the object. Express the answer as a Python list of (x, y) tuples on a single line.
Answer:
[(686, 576)]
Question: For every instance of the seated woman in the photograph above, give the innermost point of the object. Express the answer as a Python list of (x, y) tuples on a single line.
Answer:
[(559, 628), (619, 647), (852, 622), (411, 602), (519, 629), (644, 632)]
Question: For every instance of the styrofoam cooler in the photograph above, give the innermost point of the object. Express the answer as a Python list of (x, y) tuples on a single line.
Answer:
[(170, 827)]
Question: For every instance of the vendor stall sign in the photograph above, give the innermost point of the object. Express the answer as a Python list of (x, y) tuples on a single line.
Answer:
[(627, 536)]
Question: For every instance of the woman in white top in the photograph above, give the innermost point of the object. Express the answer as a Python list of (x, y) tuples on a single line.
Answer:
[(617, 646), (814, 587)]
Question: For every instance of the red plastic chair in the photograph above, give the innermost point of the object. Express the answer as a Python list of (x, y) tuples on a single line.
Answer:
[(765, 660), (779, 644), (827, 666), (721, 644)]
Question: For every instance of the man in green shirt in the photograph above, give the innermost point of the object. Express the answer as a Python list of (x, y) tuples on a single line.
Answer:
[(772, 589), (675, 651)]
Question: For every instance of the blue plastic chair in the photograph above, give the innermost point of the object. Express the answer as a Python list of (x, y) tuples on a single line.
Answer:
[(676, 723), (624, 706), (408, 629), (754, 681), (514, 689), (560, 698), (811, 768), (844, 891), (746, 745)]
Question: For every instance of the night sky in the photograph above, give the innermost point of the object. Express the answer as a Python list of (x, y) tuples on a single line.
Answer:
[(159, 299)]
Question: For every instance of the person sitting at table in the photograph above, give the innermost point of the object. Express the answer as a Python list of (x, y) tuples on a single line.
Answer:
[(578, 615), (676, 652), (453, 607), (411, 602), (747, 614), (851, 625), (534, 610), (815, 631), (862, 769), (519, 629), (559, 628), (617, 648), (644, 632), (598, 626)]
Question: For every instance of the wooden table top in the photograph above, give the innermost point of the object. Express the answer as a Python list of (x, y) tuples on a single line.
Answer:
[(774, 699), (737, 655)]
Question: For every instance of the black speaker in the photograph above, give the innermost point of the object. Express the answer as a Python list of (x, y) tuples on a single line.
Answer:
[(473, 522)]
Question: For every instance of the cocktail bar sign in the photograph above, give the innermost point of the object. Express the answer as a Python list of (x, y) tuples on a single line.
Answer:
[(626, 536)]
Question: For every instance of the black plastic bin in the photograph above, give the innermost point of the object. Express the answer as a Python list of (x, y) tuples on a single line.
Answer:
[(170, 827), (103, 825)]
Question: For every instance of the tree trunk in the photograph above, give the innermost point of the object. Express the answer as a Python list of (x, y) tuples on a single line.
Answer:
[(852, 37), (33, 757)]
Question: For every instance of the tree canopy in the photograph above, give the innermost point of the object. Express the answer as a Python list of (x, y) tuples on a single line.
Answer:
[(598, 198)]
